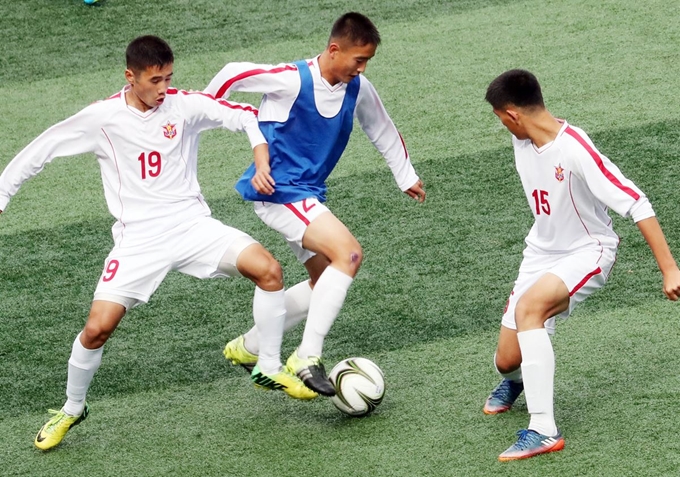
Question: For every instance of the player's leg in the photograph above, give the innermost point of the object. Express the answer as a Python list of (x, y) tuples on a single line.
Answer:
[(210, 249), (130, 277), (297, 306), (86, 356), (546, 298), (328, 237), (507, 361), (269, 313)]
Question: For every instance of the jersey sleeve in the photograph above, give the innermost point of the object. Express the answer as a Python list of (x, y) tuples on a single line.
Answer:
[(209, 113), (254, 78), (606, 181), (73, 136), (384, 135)]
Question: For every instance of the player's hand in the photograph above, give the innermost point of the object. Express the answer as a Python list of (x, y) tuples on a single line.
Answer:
[(416, 191), (671, 284), (262, 181)]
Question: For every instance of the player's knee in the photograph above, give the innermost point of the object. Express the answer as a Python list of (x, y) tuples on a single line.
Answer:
[(506, 363), (349, 260), (528, 315), (269, 275), (95, 334)]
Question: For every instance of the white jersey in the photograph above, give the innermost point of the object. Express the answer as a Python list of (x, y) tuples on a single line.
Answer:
[(570, 185), (280, 85), (149, 176)]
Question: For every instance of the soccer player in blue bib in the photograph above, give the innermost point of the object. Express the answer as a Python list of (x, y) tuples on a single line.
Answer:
[(306, 114)]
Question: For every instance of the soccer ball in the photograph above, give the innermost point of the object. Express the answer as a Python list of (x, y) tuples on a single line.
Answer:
[(359, 385)]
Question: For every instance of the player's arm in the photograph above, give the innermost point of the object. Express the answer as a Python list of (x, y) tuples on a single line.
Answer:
[(252, 78), (384, 135), (620, 194), (651, 231), (73, 136), (209, 113)]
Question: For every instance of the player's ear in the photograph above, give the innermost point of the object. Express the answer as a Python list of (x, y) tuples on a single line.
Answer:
[(333, 49), (129, 76), (514, 115)]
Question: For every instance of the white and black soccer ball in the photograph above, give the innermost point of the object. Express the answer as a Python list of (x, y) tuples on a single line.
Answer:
[(359, 386)]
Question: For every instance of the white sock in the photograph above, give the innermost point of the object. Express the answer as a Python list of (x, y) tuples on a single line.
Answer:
[(328, 297), (538, 371), (297, 306), (515, 375), (82, 365), (269, 313)]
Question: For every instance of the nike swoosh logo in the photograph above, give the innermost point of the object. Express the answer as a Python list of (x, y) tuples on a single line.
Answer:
[(40, 437)]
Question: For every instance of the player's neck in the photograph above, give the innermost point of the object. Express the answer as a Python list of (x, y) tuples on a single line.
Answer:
[(543, 128), (133, 100), (325, 68)]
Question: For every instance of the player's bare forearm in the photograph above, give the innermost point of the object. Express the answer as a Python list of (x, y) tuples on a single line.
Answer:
[(651, 231), (262, 181), (416, 191)]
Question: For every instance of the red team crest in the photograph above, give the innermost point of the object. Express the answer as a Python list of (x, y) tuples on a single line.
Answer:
[(169, 130), (559, 173)]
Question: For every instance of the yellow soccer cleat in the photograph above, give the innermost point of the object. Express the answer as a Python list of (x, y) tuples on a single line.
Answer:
[(236, 352), (56, 428), (312, 373), (282, 381)]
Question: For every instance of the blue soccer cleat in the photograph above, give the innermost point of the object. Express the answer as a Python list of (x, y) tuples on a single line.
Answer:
[(530, 443), (503, 397)]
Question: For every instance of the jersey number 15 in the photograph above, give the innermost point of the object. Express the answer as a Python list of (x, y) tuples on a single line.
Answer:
[(541, 201)]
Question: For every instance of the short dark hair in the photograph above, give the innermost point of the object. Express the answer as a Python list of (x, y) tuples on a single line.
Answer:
[(516, 87), (356, 28), (146, 51)]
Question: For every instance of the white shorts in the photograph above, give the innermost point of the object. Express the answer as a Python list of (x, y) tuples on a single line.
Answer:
[(583, 273), (291, 221), (204, 248)]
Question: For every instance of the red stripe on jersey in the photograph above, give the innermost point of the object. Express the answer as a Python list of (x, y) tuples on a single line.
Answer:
[(297, 213), (120, 182), (186, 93), (242, 107), (246, 74), (585, 279), (598, 160), (403, 144)]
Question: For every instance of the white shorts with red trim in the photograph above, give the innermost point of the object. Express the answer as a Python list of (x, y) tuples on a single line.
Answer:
[(203, 248), (291, 221), (583, 273)]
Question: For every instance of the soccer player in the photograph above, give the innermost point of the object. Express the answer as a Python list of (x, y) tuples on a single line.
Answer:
[(570, 250), (140, 138), (307, 114)]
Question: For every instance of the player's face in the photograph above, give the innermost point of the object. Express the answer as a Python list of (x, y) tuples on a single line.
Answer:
[(511, 121), (348, 60), (148, 87)]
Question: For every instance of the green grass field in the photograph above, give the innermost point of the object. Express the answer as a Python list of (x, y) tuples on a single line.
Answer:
[(427, 303)]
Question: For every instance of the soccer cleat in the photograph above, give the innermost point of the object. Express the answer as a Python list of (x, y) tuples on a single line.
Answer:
[(236, 352), (530, 443), (282, 381), (56, 428), (311, 372), (502, 398)]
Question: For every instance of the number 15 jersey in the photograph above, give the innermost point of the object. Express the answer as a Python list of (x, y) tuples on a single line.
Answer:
[(570, 186)]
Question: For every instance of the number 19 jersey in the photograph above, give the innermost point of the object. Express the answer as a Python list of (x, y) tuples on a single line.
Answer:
[(147, 169)]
